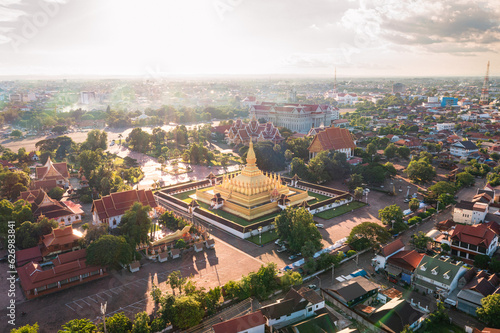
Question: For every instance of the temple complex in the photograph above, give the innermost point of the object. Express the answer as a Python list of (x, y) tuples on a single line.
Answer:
[(251, 194)]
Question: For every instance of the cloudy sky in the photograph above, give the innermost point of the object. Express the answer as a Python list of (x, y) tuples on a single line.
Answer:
[(205, 37)]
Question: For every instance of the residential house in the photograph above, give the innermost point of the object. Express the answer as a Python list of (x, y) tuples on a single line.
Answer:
[(67, 270), (64, 212), (254, 322), (396, 314), (445, 126), (402, 264), (296, 305), (110, 209), (469, 212), (475, 286), (321, 323), (438, 274), (60, 240), (335, 139), (386, 252), (210, 243), (53, 171), (468, 241), (358, 290), (463, 149)]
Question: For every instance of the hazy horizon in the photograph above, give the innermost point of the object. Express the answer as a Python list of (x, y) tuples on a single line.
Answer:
[(228, 38)]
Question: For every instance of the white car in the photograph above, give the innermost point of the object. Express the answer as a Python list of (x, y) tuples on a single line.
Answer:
[(319, 225), (112, 143), (281, 249)]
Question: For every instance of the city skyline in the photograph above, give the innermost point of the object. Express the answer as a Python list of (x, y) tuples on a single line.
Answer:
[(361, 38)]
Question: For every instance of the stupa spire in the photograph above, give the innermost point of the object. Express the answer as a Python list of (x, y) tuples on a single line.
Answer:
[(251, 159)]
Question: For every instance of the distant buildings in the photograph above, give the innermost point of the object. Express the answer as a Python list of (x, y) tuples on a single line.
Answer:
[(87, 97), (463, 149), (296, 117), (110, 209), (332, 138), (242, 133), (398, 88), (445, 126)]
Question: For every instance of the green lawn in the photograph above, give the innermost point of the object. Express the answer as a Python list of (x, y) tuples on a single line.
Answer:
[(268, 236), (441, 327), (319, 197), (334, 212)]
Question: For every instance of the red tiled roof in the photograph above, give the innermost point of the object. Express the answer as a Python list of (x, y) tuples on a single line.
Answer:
[(118, 203), (240, 324), (59, 168), (45, 185), (392, 247), (334, 138), (61, 236), (406, 259), (33, 276), (27, 255), (479, 234)]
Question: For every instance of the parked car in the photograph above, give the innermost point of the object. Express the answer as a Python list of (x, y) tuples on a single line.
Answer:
[(294, 256), (312, 286), (319, 225), (278, 242), (281, 249)]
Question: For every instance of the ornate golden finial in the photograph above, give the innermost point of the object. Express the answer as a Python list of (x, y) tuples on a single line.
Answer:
[(251, 154)]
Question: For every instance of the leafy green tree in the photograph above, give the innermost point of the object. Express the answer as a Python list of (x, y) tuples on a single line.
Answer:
[(176, 280), (94, 232), (96, 139), (371, 149), (212, 300), (288, 154), (136, 223), (296, 226), (291, 278), (374, 233), (180, 244), (299, 168), (445, 199), (26, 329), (187, 312), (420, 171), (403, 152), (358, 193), (317, 170), (56, 193), (489, 312), (109, 250), (13, 183), (141, 323), (494, 265), (481, 261), (465, 179), (78, 325), (26, 235), (166, 309), (16, 133), (439, 188), (261, 283), (118, 323), (390, 213), (414, 204), (390, 151), (420, 240), (356, 180), (89, 161)]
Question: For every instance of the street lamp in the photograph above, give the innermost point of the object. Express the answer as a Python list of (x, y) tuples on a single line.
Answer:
[(103, 312), (393, 224), (260, 235)]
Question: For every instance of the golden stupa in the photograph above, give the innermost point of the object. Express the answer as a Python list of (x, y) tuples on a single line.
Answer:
[(251, 193)]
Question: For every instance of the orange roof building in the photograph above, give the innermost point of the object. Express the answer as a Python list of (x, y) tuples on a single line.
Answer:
[(60, 240), (68, 270), (332, 138), (64, 212), (110, 209), (53, 171)]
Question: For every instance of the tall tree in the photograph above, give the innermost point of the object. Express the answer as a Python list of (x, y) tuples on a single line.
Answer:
[(109, 250), (374, 233), (489, 312), (187, 312), (296, 226), (136, 223)]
